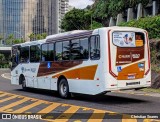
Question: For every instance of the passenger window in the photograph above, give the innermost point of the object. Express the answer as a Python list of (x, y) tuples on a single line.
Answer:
[(35, 53), (75, 49), (66, 50), (84, 48), (24, 54), (44, 52), (94, 48), (48, 52), (58, 52)]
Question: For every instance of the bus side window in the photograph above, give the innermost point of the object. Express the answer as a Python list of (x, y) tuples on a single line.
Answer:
[(66, 50), (58, 49), (75, 49), (24, 56), (44, 52), (84, 47), (94, 48), (51, 52), (35, 53)]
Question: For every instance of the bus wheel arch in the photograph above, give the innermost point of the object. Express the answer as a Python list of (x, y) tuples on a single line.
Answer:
[(63, 87), (22, 81)]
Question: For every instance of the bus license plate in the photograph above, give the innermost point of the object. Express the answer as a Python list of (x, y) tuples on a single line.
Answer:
[(131, 76)]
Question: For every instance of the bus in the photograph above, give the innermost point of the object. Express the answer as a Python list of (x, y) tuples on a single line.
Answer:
[(84, 61)]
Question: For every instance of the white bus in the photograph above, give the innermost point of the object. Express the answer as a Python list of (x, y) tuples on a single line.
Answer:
[(87, 62)]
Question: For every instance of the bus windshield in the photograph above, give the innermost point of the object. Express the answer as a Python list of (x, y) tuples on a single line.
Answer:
[(15, 56)]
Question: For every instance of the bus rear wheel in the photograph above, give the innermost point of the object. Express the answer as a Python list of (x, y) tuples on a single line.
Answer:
[(63, 88)]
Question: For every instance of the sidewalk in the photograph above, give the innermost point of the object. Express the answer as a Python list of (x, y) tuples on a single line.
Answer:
[(140, 92)]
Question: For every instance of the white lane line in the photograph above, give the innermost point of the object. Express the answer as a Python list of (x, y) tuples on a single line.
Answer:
[(3, 75)]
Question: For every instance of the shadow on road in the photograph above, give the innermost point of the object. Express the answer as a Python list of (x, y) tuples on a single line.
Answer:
[(109, 98)]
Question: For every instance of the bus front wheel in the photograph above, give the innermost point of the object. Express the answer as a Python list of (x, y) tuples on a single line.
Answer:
[(63, 88)]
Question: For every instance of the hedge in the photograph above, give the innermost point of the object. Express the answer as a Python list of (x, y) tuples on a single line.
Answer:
[(150, 23)]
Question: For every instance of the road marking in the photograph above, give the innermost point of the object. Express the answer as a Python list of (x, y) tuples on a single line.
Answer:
[(3, 94), (23, 109), (3, 75), (64, 117), (97, 114), (14, 104), (49, 108), (8, 98)]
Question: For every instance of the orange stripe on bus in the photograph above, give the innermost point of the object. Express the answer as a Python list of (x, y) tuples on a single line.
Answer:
[(132, 69), (87, 73)]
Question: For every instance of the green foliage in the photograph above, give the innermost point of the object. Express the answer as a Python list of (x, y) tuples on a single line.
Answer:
[(76, 19), (17, 41), (9, 39), (151, 24), (33, 36), (115, 7), (110, 8), (100, 12), (4, 61), (100, 9), (96, 25), (2, 57)]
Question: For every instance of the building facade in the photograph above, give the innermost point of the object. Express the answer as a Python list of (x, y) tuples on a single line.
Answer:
[(63, 9), (23, 17)]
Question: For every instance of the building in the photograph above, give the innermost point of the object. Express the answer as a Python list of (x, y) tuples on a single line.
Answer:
[(63, 9), (23, 17)]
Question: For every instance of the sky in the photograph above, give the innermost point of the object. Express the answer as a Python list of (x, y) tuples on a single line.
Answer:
[(80, 3)]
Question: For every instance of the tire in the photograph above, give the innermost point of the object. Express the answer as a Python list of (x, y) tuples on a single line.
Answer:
[(24, 84), (63, 88)]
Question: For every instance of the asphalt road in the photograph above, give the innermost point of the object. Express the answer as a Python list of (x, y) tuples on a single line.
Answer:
[(114, 102)]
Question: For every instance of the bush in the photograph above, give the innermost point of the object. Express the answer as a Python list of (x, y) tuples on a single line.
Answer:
[(151, 24)]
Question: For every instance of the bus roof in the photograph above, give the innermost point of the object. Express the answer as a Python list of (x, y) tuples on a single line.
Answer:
[(68, 35), (31, 43)]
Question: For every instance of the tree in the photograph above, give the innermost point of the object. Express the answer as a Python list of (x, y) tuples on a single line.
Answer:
[(17, 41), (2, 57), (31, 36), (44, 35), (9, 39), (76, 19)]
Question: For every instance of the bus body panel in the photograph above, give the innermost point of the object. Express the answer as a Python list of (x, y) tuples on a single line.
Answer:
[(113, 81)]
